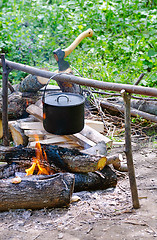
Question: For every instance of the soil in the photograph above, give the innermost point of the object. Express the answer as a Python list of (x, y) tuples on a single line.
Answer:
[(97, 215)]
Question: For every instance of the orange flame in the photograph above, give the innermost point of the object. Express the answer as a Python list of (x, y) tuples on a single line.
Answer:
[(39, 161), (44, 115), (27, 102)]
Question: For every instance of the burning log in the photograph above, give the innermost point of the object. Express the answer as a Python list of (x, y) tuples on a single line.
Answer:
[(59, 158), (63, 159), (36, 192)]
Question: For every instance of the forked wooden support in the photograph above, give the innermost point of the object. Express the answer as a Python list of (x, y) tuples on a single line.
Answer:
[(5, 74), (128, 149)]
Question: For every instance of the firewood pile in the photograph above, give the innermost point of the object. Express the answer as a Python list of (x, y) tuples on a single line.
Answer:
[(24, 130)]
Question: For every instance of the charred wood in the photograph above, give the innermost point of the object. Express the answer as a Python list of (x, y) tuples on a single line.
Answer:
[(33, 192), (62, 159), (59, 158), (104, 179)]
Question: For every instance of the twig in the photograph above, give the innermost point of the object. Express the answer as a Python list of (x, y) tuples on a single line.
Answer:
[(139, 79), (11, 87), (81, 75), (36, 237), (97, 105), (118, 95), (142, 224)]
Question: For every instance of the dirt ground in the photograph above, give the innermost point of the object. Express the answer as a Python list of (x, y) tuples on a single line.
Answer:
[(105, 214)]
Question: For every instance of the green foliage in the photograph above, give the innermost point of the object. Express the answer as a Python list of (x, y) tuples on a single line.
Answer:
[(123, 46)]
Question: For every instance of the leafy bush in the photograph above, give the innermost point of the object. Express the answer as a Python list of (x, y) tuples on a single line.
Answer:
[(123, 45)]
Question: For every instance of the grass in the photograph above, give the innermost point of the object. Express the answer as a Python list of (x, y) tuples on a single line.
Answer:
[(123, 46)]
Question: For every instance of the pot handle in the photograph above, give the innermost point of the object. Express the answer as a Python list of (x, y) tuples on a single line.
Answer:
[(62, 96), (43, 98)]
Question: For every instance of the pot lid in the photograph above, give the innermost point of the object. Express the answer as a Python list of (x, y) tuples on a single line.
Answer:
[(64, 99)]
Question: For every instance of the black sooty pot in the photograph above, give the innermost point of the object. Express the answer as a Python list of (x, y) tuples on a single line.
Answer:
[(63, 113)]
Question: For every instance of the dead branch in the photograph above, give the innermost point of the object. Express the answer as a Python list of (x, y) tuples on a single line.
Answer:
[(134, 112)]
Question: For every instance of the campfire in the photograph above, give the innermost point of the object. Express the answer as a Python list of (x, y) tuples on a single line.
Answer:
[(53, 173), (39, 161)]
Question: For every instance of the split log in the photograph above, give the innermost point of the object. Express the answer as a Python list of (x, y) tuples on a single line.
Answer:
[(98, 149), (17, 134), (97, 125), (33, 192), (82, 140), (32, 126), (35, 111), (52, 140), (134, 112), (95, 136)]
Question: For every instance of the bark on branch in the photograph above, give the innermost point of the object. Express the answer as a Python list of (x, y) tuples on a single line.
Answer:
[(83, 81)]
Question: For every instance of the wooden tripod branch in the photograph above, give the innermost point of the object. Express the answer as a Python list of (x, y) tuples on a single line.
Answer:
[(83, 81), (128, 149), (5, 102)]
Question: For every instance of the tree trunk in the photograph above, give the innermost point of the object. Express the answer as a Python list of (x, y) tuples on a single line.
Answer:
[(35, 192)]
